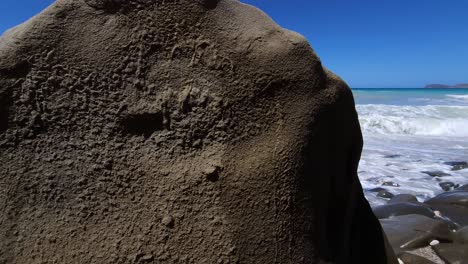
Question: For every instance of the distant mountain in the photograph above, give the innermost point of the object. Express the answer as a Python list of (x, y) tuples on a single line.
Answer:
[(461, 85)]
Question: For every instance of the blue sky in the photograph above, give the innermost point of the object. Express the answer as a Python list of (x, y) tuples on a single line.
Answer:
[(369, 43)]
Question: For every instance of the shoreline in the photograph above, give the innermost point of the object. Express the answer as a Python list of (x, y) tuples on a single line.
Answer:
[(430, 231)]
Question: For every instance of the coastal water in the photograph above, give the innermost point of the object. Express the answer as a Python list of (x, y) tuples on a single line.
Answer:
[(408, 132)]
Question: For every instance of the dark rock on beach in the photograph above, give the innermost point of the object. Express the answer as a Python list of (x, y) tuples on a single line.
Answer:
[(385, 194), (458, 215), (457, 165), (436, 173), (392, 156), (403, 198), (459, 198), (378, 189), (452, 205), (452, 253), (409, 232), (391, 184), (447, 186), (435, 231), (176, 131), (397, 209), (460, 167)]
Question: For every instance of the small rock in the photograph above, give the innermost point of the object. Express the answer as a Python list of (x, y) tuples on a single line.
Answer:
[(438, 214), (168, 221), (385, 194), (403, 198), (447, 186), (392, 156), (434, 243), (392, 184), (436, 173), (378, 189), (457, 165)]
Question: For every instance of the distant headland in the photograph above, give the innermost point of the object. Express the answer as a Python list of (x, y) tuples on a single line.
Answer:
[(461, 85)]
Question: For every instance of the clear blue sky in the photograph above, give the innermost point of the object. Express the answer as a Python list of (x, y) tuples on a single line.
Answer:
[(370, 43)]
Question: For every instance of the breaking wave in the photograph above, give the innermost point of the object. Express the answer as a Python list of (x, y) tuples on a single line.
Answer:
[(458, 97), (429, 120)]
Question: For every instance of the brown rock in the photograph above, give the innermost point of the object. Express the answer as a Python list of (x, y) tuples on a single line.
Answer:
[(164, 90)]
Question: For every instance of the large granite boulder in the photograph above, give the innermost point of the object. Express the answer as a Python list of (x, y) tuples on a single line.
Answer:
[(176, 131)]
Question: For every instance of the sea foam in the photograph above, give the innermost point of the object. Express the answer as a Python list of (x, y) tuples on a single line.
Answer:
[(430, 120), (408, 132)]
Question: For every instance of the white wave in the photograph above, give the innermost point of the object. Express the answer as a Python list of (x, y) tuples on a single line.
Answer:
[(430, 120), (461, 97)]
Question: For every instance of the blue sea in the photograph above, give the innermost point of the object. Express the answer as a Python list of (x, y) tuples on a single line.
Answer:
[(407, 132)]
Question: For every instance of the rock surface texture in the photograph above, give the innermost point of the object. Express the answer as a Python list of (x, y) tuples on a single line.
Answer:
[(176, 131)]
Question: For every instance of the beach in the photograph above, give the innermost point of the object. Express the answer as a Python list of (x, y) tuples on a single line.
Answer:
[(414, 169), (413, 140)]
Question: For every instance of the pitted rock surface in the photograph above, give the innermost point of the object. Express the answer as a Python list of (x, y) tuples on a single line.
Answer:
[(176, 131)]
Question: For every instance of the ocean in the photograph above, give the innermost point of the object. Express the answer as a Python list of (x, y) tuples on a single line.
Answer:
[(408, 132)]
